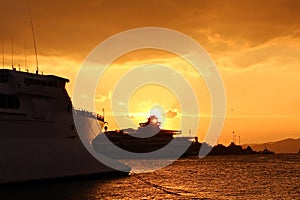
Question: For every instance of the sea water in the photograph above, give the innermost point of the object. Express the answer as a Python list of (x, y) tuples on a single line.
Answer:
[(213, 177)]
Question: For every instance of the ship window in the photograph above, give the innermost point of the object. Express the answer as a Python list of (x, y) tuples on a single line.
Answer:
[(27, 81), (49, 83), (3, 78), (9, 101), (3, 101), (31, 81), (61, 84), (52, 84)]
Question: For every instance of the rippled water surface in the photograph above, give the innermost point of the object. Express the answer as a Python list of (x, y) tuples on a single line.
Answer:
[(212, 177)]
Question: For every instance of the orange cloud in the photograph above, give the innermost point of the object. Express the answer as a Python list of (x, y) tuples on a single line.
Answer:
[(171, 114)]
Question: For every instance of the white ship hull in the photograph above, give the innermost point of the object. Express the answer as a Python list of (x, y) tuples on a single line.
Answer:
[(38, 138), (23, 160)]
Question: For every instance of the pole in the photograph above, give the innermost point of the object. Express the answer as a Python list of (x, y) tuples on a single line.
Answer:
[(2, 55), (12, 52)]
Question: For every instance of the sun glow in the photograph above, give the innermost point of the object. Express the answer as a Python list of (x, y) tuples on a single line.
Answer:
[(159, 112), (146, 101)]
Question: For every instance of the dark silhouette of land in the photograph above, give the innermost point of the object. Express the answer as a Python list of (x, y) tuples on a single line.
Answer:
[(288, 145), (220, 149)]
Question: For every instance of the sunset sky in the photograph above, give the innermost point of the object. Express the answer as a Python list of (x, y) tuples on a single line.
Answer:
[(254, 44)]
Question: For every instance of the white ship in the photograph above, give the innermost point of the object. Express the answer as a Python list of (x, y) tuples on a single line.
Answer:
[(38, 138)]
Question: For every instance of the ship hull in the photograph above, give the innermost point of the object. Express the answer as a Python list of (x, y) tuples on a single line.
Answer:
[(145, 148), (39, 159), (45, 152)]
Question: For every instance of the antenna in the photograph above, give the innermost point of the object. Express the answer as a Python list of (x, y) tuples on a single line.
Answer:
[(12, 52), (34, 42), (25, 54), (2, 55)]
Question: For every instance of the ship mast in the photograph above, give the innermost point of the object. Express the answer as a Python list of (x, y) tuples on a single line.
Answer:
[(34, 43)]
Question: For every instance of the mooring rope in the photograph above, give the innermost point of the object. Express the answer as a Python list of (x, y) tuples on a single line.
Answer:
[(176, 191)]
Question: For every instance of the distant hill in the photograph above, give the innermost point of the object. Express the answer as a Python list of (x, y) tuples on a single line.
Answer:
[(282, 146)]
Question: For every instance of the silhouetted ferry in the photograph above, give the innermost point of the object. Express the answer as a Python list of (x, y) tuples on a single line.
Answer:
[(147, 138), (38, 136)]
